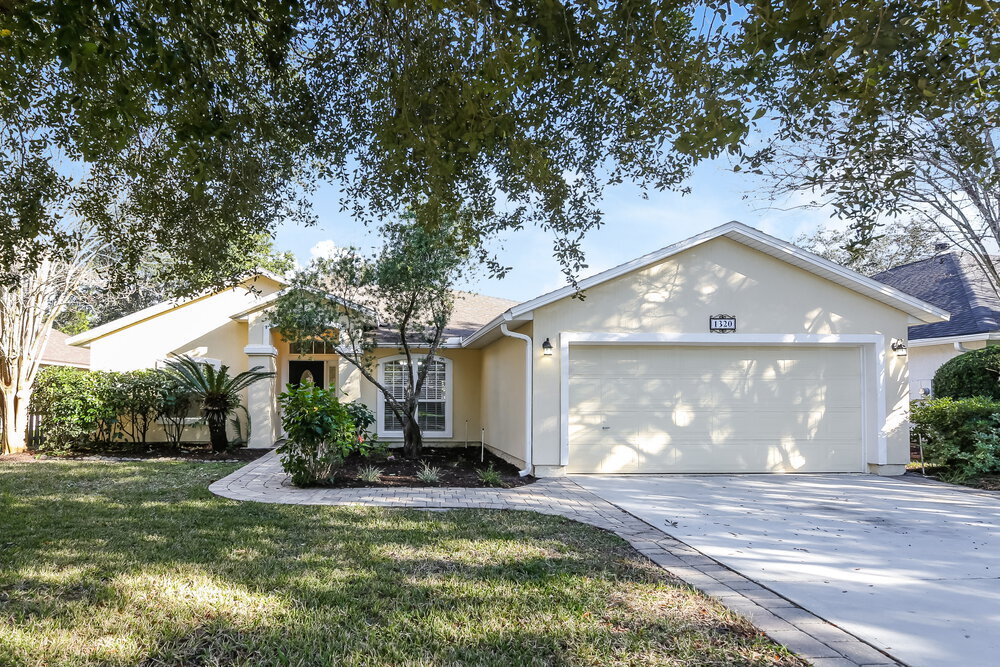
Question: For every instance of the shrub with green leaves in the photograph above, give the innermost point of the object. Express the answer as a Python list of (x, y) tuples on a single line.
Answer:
[(963, 435), (137, 397), (974, 373), (69, 403), (175, 405), (321, 433)]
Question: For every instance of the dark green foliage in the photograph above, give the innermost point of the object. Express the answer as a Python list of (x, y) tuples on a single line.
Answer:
[(974, 373), (175, 406), (363, 419), (961, 434), (79, 408), (135, 396), (196, 119), (215, 389), (320, 430), (70, 404), (173, 126)]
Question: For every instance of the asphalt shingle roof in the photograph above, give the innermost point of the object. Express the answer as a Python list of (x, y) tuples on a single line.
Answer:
[(471, 312), (58, 352), (954, 282)]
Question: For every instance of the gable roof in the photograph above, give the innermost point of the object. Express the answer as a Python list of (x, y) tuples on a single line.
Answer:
[(476, 318), (737, 231), (953, 281), (58, 353), (152, 311)]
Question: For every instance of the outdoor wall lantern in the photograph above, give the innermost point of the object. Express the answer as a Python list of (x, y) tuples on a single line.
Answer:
[(899, 347), (547, 348)]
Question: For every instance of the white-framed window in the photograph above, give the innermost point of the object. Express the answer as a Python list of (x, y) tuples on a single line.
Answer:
[(434, 405)]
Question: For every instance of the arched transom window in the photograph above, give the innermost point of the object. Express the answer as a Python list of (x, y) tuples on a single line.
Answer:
[(434, 403)]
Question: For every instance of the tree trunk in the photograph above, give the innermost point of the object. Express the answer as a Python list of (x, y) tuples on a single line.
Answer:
[(413, 441), (14, 423), (217, 431)]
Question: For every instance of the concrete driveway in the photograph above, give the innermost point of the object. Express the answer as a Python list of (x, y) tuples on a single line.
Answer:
[(913, 569)]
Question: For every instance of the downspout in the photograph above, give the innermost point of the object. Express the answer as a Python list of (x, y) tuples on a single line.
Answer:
[(528, 372)]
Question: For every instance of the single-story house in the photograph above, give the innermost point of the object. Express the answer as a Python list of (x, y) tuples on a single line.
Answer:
[(732, 351), (58, 353), (955, 282)]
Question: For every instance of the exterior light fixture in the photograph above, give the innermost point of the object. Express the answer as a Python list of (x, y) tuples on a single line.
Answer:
[(899, 347), (547, 348)]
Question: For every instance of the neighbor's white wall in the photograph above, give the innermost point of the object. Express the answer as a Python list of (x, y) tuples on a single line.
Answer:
[(679, 294), (926, 359)]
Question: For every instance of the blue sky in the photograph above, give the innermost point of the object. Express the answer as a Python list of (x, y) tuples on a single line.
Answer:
[(633, 226)]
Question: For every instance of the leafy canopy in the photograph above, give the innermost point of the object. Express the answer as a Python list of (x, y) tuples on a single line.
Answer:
[(186, 126)]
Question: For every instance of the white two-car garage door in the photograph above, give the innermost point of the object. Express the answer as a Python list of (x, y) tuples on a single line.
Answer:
[(690, 408)]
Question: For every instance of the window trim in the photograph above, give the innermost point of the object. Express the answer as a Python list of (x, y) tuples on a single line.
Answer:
[(449, 399)]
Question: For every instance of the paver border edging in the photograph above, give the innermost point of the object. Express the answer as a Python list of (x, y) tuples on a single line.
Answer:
[(808, 635)]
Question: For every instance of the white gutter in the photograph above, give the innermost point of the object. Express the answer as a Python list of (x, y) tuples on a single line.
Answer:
[(528, 372)]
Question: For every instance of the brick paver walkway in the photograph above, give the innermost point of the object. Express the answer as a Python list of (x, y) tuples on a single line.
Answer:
[(811, 637)]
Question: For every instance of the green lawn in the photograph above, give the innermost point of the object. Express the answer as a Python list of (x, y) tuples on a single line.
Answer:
[(121, 563)]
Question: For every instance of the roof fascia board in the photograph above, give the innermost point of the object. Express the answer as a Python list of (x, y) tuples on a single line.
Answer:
[(735, 231), (947, 340)]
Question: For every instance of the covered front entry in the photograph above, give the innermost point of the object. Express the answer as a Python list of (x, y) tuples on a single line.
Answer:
[(715, 409)]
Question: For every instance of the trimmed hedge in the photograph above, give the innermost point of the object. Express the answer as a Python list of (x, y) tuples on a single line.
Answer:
[(974, 373), (961, 434), (80, 408)]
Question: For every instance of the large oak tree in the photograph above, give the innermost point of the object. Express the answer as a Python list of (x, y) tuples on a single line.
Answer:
[(186, 126)]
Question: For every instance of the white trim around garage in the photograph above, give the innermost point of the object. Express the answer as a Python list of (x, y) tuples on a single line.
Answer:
[(873, 371)]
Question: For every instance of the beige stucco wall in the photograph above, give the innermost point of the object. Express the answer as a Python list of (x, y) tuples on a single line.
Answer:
[(202, 328), (679, 295), (466, 388), (502, 405)]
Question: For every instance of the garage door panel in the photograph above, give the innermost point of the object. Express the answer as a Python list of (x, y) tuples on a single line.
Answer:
[(607, 459), (715, 409)]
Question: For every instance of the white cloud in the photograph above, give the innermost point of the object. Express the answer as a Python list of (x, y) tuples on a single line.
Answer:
[(325, 249)]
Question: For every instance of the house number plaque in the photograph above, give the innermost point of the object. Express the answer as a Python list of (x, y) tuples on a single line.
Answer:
[(722, 323)]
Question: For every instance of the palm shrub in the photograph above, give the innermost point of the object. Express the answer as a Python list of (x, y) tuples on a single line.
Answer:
[(320, 433), (216, 390)]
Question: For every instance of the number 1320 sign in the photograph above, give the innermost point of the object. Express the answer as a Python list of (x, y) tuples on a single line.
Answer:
[(722, 323)]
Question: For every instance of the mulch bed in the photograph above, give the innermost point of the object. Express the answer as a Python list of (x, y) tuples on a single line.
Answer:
[(186, 452), (458, 467)]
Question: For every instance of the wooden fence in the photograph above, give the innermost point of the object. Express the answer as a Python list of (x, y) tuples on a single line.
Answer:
[(35, 437)]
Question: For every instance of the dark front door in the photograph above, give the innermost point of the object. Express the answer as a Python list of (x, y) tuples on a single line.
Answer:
[(310, 369)]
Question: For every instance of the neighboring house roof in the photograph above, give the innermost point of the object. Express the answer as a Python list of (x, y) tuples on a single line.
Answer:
[(58, 353), (916, 308), (955, 282)]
